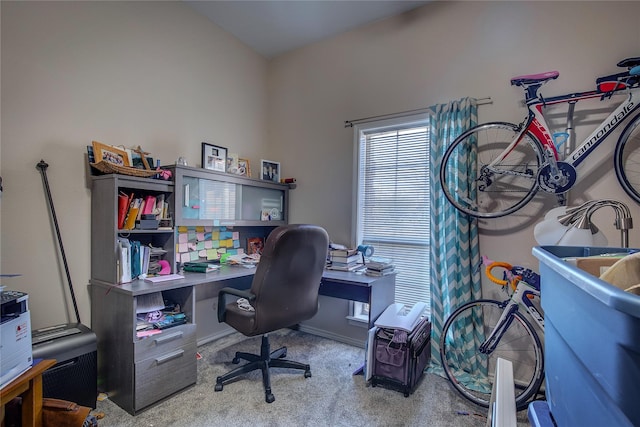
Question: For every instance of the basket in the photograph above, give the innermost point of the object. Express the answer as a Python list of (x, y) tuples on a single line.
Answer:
[(107, 167)]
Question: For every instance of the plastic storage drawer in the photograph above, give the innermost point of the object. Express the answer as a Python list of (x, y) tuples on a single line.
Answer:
[(592, 345)]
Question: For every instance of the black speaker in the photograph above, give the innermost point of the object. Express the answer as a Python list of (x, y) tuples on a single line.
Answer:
[(74, 377)]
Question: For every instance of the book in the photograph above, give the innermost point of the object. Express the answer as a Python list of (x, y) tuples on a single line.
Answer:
[(163, 278), (380, 273), (379, 267), (200, 267), (357, 257), (348, 267), (379, 263), (343, 252)]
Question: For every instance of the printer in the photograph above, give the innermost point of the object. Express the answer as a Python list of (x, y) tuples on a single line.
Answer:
[(15, 335)]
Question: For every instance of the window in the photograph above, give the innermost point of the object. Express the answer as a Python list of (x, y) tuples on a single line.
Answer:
[(393, 201)]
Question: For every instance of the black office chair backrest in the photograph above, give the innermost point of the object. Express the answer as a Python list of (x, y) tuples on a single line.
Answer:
[(288, 276)]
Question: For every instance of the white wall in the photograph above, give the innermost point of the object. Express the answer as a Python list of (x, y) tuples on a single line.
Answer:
[(153, 74), (440, 52), (158, 75)]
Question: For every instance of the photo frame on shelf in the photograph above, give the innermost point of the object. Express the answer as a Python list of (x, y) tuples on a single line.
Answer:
[(110, 154), (214, 157), (232, 163), (255, 245), (244, 168), (269, 170)]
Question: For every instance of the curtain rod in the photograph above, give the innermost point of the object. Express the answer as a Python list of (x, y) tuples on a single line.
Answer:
[(350, 123)]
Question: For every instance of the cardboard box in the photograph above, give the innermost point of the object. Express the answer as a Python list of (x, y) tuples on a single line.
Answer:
[(596, 265)]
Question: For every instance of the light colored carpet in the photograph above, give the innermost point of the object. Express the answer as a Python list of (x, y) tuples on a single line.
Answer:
[(331, 397)]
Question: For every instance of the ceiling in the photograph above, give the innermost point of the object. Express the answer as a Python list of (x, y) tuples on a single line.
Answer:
[(272, 28)]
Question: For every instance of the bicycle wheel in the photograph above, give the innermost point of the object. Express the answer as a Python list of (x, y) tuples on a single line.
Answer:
[(491, 192), (472, 372), (627, 159)]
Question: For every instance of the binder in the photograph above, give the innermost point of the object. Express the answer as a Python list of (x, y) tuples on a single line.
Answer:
[(135, 259), (124, 256), (130, 222), (123, 207), (149, 204)]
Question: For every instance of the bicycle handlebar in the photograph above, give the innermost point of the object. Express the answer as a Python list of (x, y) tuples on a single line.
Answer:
[(517, 273)]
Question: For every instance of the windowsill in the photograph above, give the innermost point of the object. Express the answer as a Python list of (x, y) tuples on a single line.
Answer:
[(358, 321)]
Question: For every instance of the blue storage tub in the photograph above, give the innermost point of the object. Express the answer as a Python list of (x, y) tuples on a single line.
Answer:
[(592, 342)]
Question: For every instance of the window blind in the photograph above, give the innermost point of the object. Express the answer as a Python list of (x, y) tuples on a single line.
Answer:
[(393, 204)]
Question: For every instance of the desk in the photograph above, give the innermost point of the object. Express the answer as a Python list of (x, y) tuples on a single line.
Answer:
[(135, 372), (29, 386)]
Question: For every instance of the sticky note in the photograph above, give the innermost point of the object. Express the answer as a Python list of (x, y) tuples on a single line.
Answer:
[(200, 246), (193, 256), (212, 254), (235, 235), (182, 247), (208, 244), (183, 238), (185, 257)]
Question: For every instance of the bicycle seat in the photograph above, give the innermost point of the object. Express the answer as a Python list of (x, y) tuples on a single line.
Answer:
[(629, 62), (534, 78)]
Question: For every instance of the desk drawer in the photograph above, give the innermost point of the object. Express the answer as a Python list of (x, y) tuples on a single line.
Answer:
[(169, 339), (160, 376)]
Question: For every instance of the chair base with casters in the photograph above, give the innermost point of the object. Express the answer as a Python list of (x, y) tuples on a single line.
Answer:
[(265, 360)]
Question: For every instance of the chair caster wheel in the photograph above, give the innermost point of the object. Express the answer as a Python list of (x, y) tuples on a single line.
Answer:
[(235, 361), (283, 355), (218, 387), (269, 398), (307, 374)]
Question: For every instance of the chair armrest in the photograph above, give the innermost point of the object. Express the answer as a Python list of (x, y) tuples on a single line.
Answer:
[(222, 300)]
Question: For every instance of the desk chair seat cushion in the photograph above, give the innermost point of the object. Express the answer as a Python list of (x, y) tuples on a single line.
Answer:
[(285, 287)]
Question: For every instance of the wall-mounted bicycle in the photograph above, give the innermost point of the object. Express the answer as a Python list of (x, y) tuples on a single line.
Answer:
[(496, 168)]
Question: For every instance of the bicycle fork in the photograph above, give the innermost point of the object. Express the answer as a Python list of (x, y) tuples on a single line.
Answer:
[(521, 294)]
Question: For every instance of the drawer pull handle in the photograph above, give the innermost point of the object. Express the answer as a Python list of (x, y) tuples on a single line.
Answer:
[(170, 356), (164, 339)]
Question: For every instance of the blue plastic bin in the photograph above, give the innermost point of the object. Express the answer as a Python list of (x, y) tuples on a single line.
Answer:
[(592, 343)]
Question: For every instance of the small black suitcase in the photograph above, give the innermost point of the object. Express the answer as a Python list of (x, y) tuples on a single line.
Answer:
[(399, 363)]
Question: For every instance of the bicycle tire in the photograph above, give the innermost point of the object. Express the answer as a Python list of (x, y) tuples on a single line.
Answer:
[(519, 344), (501, 191), (627, 159)]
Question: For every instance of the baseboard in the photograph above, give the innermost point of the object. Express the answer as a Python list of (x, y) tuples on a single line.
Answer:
[(325, 334)]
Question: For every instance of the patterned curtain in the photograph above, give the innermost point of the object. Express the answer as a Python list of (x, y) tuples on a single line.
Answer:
[(455, 252)]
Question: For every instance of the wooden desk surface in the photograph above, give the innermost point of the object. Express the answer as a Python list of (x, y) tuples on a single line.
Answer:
[(29, 386)]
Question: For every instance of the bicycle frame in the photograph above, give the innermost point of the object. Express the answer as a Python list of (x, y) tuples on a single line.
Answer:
[(521, 296), (536, 125)]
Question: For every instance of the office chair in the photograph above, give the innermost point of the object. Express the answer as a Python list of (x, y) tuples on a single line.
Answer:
[(284, 292)]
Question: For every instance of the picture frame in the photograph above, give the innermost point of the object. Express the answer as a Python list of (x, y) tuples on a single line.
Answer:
[(214, 157), (269, 170), (109, 153), (232, 163), (244, 167), (255, 245)]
